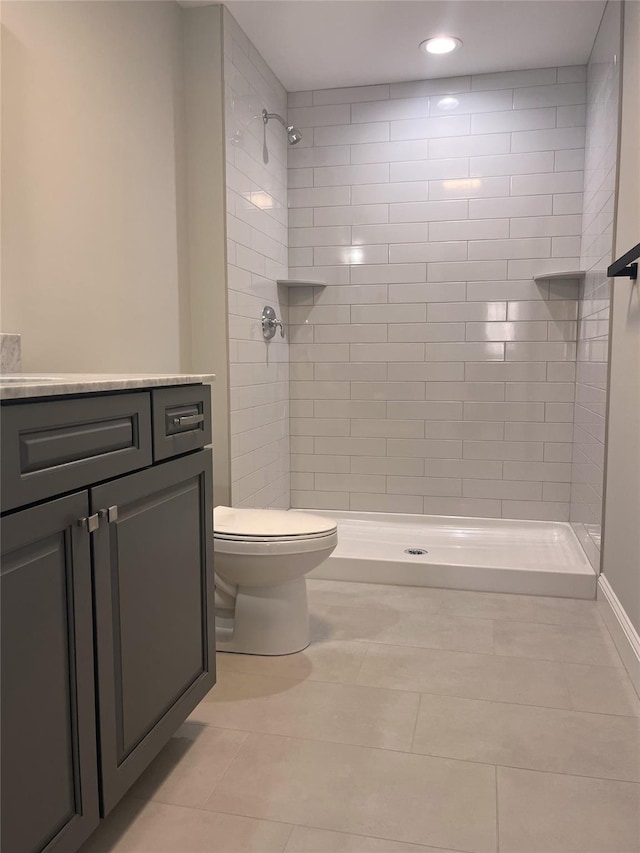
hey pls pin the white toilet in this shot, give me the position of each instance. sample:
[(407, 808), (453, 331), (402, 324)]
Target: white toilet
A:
[(261, 559)]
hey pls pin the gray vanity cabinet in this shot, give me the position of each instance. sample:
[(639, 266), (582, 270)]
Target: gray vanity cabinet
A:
[(154, 603), (49, 771), (108, 638)]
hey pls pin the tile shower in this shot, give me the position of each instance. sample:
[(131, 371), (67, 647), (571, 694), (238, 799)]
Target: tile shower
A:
[(432, 374)]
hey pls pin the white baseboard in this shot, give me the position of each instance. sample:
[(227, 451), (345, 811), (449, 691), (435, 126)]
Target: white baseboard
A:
[(623, 633)]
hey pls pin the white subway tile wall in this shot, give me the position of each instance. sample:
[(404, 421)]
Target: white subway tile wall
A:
[(432, 374), (603, 84), (257, 232)]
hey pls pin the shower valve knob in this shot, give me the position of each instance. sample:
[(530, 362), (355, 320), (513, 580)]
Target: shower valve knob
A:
[(270, 323)]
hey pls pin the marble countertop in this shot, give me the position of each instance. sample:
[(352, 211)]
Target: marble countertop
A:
[(19, 386)]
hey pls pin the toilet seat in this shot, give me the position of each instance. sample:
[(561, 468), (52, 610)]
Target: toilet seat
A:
[(223, 537), (269, 526), (273, 547)]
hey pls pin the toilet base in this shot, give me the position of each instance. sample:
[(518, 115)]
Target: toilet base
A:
[(267, 620)]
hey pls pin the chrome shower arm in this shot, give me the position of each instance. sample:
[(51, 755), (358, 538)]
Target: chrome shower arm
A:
[(293, 134), (266, 116)]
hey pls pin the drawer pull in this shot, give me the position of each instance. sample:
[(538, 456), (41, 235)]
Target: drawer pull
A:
[(181, 420), (90, 524), (188, 420), (110, 514)]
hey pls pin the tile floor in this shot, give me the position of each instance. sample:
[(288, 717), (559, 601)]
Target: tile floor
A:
[(417, 720)]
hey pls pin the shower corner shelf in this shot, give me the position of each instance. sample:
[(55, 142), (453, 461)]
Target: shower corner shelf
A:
[(544, 276), (297, 282)]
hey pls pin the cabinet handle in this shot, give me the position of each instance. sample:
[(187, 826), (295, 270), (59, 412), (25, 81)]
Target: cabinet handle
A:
[(90, 523), (111, 514), (188, 420)]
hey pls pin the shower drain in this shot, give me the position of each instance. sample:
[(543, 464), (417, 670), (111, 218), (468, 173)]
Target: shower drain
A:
[(415, 552)]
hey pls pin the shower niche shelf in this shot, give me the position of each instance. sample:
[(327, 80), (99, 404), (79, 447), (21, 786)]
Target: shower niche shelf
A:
[(543, 276), (298, 282)]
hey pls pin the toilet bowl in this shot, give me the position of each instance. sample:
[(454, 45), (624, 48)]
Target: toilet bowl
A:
[(261, 559)]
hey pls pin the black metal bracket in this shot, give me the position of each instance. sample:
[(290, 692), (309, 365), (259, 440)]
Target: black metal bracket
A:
[(624, 266)]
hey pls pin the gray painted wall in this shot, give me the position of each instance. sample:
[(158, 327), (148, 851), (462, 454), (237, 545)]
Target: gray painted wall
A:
[(621, 544)]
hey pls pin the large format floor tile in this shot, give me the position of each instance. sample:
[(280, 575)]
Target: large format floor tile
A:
[(366, 596), (305, 840), (321, 661), (333, 712), (520, 608), (536, 738), (385, 794), (393, 730), (603, 690), (189, 767), (477, 605), (556, 642), (550, 813), (138, 827), (503, 679), (409, 628)]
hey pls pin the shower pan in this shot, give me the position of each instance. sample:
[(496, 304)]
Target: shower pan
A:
[(483, 554)]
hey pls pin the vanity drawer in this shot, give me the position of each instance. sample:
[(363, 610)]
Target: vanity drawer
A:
[(57, 445), (181, 419)]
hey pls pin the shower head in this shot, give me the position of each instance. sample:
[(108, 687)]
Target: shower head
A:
[(293, 134)]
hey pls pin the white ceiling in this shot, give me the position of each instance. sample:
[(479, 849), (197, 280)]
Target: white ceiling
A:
[(318, 44)]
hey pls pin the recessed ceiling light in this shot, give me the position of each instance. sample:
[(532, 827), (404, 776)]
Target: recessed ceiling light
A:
[(440, 44)]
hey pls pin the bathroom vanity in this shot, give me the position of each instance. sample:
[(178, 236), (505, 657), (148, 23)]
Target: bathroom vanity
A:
[(108, 638)]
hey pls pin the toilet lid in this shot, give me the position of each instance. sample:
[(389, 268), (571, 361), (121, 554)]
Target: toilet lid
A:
[(268, 523)]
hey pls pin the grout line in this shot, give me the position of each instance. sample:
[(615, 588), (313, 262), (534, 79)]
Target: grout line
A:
[(415, 844), (597, 628), (374, 642), (335, 743), (288, 839), (355, 683), (231, 760), (436, 756), (571, 708), (226, 813), (474, 762), (490, 654), (415, 724), (418, 845)]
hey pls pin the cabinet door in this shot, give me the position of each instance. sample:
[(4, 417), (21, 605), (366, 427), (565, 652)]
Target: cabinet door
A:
[(154, 596), (49, 773)]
